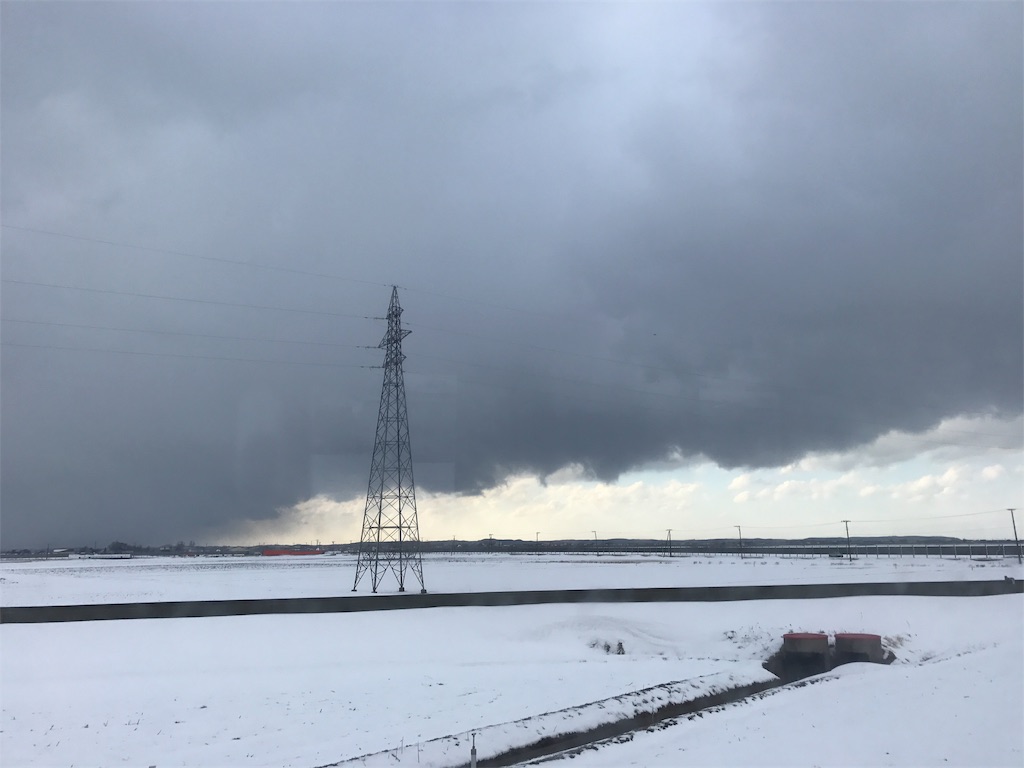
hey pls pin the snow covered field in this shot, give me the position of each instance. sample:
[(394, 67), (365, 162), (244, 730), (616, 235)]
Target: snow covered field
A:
[(308, 690), (56, 582)]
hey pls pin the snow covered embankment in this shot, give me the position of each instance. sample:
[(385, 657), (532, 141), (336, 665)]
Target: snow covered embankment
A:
[(597, 719)]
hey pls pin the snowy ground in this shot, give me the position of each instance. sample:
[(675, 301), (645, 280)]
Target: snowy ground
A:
[(305, 690), (962, 708), (55, 582)]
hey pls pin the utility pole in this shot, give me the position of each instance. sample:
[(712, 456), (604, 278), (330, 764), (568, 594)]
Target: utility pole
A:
[(390, 540), (849, 551), (1015, 539), (669, 542), (738, 528)]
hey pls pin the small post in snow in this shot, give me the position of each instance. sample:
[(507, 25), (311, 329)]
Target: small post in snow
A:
[(472, 754)]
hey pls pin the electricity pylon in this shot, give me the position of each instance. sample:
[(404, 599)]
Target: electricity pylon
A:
[(391, 532)]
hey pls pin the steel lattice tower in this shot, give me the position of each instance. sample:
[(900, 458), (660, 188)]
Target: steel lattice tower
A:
[(391, 532)]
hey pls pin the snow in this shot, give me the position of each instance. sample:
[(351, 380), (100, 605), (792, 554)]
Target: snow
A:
[(965, 710), (66, 582), (494, 740), (309, 690)]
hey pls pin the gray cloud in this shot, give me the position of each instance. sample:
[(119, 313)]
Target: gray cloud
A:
[(624, 233)]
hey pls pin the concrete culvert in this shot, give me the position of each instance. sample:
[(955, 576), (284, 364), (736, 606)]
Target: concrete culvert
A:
[(856, 646), (804, 654)]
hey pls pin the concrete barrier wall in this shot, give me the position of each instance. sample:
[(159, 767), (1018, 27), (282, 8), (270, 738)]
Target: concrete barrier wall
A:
[(199, 608)]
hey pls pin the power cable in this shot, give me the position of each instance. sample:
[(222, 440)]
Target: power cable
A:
[(575, 396), (551, 350), (322, 275), (270, 268), (801, 526), (183, 356), (135, 294), (185, 254), (185, 333), (931, 517)]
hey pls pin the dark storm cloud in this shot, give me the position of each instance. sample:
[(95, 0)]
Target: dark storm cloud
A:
[(625, 233)]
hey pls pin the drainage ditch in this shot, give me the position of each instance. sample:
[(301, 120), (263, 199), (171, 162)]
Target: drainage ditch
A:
[(566, 741), (802, 655)]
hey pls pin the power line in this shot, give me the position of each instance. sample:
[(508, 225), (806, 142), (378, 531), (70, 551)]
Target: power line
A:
[(184, 356), (185, 333), (269, 268), (135, 294), (801, 525), (576, 396), (189, 300), (921, 518), (762, 390), (615, 387), (704, 400), (185, 254), (323, 275), (701, 399), (932, 517)]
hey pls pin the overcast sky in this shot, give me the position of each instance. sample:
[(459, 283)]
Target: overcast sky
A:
[(657, 259)]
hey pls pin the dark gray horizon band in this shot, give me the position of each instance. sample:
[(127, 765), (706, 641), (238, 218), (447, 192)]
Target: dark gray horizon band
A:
[(41, 614)]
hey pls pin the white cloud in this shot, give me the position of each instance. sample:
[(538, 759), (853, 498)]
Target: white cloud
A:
[(569, 508), (740, 483), (993, 472), (932, 486), (953, 439)]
